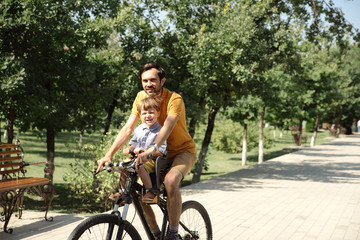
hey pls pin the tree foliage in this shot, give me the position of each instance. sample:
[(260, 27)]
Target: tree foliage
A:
[(68, 65)]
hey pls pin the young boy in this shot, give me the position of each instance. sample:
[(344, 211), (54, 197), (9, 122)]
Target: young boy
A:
[(144, 136)]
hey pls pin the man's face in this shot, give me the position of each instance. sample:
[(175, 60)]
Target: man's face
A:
[(151, 82)]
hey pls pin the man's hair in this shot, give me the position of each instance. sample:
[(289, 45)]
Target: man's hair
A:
[(148, 66), (147, 103)]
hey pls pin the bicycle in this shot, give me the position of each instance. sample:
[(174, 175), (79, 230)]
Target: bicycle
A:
[(194, 220)]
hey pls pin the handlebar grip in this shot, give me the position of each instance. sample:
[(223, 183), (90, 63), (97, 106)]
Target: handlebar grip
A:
[(132, 153), (108, 166)]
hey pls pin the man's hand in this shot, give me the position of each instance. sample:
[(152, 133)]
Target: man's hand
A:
[(143, 157), (101, 162)]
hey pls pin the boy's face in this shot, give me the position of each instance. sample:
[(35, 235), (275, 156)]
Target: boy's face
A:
[(150, 116)]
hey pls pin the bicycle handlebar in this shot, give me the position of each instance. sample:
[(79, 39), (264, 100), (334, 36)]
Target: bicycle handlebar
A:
[(123, 165)]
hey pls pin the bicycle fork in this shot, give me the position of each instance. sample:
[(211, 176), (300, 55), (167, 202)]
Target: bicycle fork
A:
[(121, 219)]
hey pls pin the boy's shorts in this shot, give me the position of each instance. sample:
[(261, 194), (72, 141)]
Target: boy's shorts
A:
[(183, 162), (150, 166)]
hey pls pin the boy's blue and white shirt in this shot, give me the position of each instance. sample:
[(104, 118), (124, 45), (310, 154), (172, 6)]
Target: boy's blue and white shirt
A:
[(145, 136)]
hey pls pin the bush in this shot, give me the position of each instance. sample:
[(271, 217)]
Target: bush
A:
[(82, 180), (228, 137)]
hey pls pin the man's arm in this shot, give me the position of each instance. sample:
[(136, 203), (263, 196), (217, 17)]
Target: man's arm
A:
[(164, 133), (120, 140)]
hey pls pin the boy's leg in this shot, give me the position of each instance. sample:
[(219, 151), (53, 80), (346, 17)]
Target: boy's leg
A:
[(150, 215), (145, 178)]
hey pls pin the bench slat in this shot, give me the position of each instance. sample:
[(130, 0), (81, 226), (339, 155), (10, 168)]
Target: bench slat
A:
[(22, 183), (10, 152), (10, 158), (9, 171), (8, 165), (8, 145)]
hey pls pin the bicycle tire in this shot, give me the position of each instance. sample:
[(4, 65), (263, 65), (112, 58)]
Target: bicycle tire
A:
[(95, 227), (195, 218)]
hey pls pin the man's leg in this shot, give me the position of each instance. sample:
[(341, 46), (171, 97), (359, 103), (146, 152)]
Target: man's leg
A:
[(174, 202)]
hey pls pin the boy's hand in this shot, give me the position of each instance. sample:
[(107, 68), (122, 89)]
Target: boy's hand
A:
[(137, 151)]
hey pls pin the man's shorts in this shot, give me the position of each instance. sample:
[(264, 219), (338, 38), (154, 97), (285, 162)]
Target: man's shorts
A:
[(183, 162)]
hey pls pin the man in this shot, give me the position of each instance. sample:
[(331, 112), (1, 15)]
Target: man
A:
[(181, 147)]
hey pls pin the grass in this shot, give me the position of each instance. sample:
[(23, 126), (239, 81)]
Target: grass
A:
[(34, 145), (221, 163)]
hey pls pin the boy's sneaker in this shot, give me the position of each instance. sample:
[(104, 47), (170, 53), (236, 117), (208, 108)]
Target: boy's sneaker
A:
[(116, 195), (150, 197)]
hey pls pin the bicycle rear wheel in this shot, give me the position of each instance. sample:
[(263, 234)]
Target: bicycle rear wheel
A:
[(194, 222), (103, 226)]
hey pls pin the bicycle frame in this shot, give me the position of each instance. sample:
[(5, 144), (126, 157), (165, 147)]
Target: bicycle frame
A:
[(116, 222), (131, 196)]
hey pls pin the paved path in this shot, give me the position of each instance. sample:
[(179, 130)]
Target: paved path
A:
[(313, 193)]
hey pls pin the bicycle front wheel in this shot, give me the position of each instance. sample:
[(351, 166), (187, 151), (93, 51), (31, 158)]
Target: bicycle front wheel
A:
[(104, 226), (194, 222)]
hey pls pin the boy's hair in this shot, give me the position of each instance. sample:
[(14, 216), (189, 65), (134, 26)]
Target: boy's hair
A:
[(148, 66), (148, 102)]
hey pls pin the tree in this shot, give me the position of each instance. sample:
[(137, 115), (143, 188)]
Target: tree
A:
[(51, 41)]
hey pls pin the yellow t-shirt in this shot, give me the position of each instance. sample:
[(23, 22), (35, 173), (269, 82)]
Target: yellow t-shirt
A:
[(171, 103)]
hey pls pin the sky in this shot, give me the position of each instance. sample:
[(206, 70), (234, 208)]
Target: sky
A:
[(351, 9)]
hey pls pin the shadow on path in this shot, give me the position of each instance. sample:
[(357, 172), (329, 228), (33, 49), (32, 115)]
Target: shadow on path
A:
[(318, 164), (40, 226)]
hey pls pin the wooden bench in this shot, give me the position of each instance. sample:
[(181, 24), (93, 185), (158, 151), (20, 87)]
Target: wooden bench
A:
[(13, 183)]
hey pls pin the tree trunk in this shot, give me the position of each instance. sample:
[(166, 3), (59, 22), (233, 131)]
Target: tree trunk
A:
[(338, 126), (50, 144), (300, 127), (205, 145), (261, 136), (192, 126), (297, 135), (274, 132), (111, 110), (193, 121), (10, 127), (313, 138), (244, 146), (80, 140)]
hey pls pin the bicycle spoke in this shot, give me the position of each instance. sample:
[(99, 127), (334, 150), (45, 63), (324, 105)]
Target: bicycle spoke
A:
[(194, 222)]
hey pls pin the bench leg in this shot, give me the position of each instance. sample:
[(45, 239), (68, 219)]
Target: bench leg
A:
[(47, 193), (8, 201), (20, 204)]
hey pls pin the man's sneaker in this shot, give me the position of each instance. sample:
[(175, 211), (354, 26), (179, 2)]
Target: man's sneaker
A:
[(172, 236), (157, 236)]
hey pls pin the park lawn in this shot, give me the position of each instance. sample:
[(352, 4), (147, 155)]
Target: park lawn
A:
[(221, 163), (66, 143)]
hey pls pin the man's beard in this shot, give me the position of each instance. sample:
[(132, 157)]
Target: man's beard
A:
[(154, 93)]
